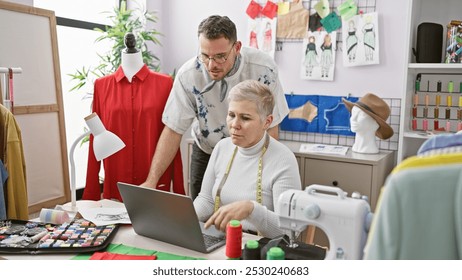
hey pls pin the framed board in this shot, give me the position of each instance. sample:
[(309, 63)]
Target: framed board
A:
[(29, 41)]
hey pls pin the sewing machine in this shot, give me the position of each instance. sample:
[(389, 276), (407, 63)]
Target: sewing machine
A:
[(345, 220)]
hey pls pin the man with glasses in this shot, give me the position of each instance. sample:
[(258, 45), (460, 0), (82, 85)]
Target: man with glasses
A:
[(198, 97)]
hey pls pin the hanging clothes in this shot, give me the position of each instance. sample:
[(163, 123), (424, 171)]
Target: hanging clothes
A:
[(133, 111), (16, 186)]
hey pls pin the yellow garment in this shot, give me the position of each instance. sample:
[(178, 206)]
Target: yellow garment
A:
[(16, 186), (418, 161)]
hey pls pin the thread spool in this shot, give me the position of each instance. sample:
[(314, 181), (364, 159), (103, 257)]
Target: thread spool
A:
[(414, 124), (414, 112), (417, 85), (251, 250), (448, 126), (451, 87), (449, 101), (436, 124), (448, 113), (416, 99), (459, 126), (275, 253), (436, 112), (425, 124), (438, 100), (438, 86), (53, 216), (234, 240)]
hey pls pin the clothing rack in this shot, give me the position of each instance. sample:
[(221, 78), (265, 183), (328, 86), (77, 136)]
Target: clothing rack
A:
[(6, 91)]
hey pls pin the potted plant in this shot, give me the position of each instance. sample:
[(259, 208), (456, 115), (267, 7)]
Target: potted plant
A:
[(123, 21)]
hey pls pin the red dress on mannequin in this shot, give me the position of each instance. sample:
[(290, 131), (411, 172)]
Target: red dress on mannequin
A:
[(133, 111)]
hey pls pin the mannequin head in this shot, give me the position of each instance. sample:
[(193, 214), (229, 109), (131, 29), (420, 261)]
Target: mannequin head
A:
[(369, 119), (365, 128), (130, 43), (132, 58), (360, 122)]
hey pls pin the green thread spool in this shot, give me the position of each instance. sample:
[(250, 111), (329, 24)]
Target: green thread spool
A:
[(275, 253), (451, 87)]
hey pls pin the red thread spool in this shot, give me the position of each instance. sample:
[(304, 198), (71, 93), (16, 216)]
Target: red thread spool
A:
[(234, 239), (414, 124)]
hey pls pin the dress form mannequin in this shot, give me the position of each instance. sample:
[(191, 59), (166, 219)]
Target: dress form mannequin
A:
[(132, 59), (365, 128)]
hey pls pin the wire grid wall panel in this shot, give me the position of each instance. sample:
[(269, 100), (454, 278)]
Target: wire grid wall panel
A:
[(364, 6), (333, 139)]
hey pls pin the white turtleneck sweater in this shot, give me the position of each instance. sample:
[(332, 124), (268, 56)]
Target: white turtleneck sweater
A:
[(280, 173)]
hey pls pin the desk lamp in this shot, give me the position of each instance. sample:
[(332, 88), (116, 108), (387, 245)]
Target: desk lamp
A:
[(105, 144)]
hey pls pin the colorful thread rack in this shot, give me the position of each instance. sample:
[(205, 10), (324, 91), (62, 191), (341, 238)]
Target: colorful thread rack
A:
[(437, 102)]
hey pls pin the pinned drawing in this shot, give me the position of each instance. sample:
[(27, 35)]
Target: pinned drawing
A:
[(261, 34), (361, 40), (318, 58)]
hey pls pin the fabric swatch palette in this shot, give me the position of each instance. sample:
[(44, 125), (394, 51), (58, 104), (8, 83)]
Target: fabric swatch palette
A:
[(18, 236)]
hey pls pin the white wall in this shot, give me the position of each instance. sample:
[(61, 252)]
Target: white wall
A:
[(180, 20)]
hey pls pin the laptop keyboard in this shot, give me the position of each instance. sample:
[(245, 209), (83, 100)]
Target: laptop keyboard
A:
[(211, 240)]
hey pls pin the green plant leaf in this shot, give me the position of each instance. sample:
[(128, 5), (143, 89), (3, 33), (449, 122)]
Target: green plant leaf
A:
[(123, 21)]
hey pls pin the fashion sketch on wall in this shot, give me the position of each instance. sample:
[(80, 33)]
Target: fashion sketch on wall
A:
[(318, 57), (262, 34), (360, 39)]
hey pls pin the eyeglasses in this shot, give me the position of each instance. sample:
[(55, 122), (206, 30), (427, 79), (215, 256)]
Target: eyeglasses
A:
[(219, 58)]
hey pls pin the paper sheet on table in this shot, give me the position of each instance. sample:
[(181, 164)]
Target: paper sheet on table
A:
[(323, 149), (106, 216)]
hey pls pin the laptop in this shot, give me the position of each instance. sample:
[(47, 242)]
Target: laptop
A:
[(168, 217)]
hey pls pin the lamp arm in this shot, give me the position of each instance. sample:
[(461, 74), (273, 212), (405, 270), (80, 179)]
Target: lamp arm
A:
[(72, 166)]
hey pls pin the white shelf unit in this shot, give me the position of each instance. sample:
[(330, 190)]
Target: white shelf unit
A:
[(420, 11)]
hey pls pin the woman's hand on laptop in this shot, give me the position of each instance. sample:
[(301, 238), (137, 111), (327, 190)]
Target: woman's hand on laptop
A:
[(238, 210)]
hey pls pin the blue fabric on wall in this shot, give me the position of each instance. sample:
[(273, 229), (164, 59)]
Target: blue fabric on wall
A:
[(3, 177), (302, 125), (333, 117)]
